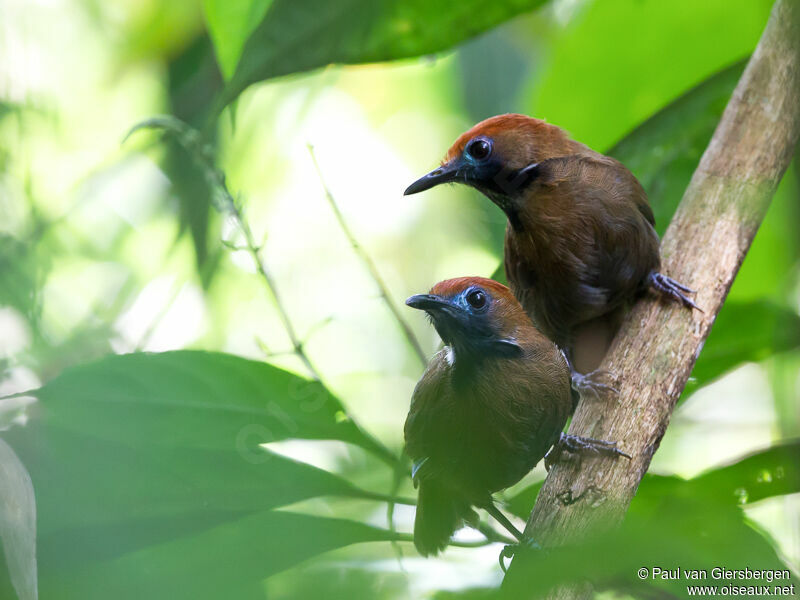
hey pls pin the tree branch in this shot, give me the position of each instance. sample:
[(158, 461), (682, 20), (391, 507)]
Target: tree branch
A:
[(659, 342)]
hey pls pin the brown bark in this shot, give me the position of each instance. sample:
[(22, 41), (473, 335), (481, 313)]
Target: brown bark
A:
[(703, 248)]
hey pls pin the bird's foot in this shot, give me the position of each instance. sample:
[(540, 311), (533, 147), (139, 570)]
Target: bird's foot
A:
[(575, 444), (592, 383), (671, 288), (510, 550)]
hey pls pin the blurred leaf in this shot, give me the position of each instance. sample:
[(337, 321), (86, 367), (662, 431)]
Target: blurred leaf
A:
[(144, 493), (193, 82), (194, 399), (674, 523), (476, 593), (613, 64), (745, 332), (500, 274), (18, 523), (299, 35), (230, 23), (227, 561), (133, 455), (522, 502), (347, 580), (157, 30), (664, 151), (492, 69), (765, 474), (19, 271), (685, 533)]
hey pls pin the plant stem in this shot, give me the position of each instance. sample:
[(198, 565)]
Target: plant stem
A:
[(370, 265)]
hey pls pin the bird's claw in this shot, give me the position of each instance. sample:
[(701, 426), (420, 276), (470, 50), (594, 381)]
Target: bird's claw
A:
[(673, 289), (575, 444), (509, 550), (592, 383)]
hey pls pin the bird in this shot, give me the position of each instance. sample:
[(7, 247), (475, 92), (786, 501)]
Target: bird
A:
[(580, 243), (487, 409)]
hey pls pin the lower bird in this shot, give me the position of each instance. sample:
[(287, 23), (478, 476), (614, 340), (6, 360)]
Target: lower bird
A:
[(488, 408)]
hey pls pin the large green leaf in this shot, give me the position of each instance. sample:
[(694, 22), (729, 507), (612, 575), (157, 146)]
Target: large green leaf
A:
[(194, 399), (299, 35), (745, 332), (136, 451), (84, 482), (226, 561)]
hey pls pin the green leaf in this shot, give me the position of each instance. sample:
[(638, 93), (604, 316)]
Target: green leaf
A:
[(299, 35), (227, 561), (17, 524), (194, 399), (142, 449), (19, 274), (84, 482), (664, 151), (745, 332), (521, 503), (230, 23), (766, 474), (615, 63)]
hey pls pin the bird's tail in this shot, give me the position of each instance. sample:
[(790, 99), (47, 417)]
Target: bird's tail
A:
[(439, 515)]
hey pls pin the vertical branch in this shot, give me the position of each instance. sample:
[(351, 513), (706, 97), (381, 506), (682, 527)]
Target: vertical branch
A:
[(370, 265), (659, 342)]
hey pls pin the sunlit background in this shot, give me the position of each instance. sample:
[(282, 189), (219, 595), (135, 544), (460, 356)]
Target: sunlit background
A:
[(108, 247)]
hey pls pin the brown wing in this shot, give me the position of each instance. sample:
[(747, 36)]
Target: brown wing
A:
[(584, 245)]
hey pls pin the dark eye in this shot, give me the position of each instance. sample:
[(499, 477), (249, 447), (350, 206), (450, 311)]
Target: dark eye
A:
[(477, 298), (479, 149)]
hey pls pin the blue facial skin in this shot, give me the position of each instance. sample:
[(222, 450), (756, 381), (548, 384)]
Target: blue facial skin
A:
[(476, 167), (464, 323)]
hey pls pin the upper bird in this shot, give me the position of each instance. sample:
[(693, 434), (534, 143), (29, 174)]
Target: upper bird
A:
[(580, 243), (487, 409)]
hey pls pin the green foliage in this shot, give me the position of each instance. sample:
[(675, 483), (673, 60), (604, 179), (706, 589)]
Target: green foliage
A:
[(18, 275), (674, 523), (150, 473), (299, 35), (664, 151), (619, 62), (230, 23), (141, 460), (228, 560), (194, 399), (745, 332)]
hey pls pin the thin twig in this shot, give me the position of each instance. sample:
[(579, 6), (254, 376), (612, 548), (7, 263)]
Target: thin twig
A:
[(399, 472), (261, 267), (370, 265), (203, 154)]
